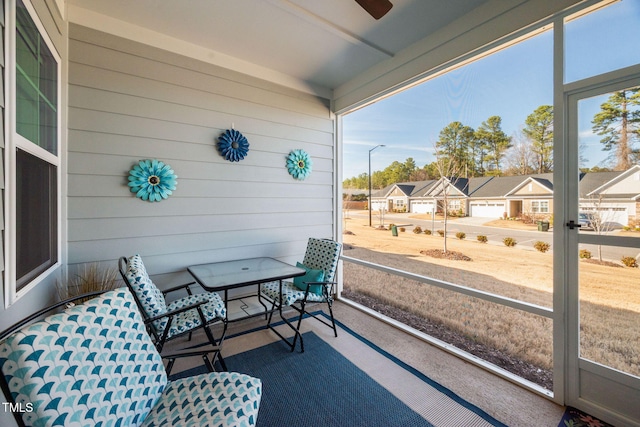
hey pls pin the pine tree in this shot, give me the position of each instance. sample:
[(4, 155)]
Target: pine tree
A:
[(494, 141), (618, 122), (539, 129)]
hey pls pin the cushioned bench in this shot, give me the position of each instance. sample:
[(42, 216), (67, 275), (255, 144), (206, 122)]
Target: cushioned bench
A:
[(95, 365)]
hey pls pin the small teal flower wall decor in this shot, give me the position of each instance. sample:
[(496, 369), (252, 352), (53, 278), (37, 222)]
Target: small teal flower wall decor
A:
[(152, 180), (299, 164), (232, 145)]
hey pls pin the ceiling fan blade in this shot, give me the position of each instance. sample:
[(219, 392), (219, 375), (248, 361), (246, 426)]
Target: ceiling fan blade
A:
[(376, 8)]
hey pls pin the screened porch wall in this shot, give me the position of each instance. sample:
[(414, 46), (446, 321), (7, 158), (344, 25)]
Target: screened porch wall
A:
[(129, 102)]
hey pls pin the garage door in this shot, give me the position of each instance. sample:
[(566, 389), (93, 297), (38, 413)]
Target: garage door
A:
[(614, 217), (487, 210), (421, 207)]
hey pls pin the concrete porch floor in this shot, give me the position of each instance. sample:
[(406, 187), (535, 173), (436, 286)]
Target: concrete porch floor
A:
[(502, 399)]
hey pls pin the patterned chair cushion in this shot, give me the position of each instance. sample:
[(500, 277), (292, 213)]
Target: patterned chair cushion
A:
[(216, 399), (189, 320), (90, 365), (95, 365), (150, 297), (290, 293), (321, 254)]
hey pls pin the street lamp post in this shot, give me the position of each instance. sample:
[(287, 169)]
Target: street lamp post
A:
[(381, 145)]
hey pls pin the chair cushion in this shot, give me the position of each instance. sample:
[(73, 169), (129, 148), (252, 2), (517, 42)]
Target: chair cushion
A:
[(150, 297), (188, 320), (311, 276), (214, 399), (323, 254), (290, 293), (93, 364)]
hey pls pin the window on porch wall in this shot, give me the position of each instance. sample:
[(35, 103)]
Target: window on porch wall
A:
[(33, 242)]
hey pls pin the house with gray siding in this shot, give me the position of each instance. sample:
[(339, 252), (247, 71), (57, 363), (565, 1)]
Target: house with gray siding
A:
[(613, 194)]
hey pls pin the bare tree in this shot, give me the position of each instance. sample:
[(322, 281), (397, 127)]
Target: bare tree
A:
[(600, 218), (449, 170), (520, 156)]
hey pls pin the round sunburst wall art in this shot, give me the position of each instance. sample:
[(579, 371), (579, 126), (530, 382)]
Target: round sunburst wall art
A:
[(299, 164), (232, 145), (152, 180)]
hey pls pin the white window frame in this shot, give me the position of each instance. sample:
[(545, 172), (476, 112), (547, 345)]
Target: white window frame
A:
[(13, 141), (540, 206)]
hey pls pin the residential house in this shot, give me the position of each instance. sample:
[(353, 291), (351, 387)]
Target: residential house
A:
[(613, 194)]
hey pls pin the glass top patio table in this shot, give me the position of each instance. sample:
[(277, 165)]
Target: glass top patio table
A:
[(225, 275)]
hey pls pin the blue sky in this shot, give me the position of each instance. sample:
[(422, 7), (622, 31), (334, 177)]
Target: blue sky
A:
[(510, 83)]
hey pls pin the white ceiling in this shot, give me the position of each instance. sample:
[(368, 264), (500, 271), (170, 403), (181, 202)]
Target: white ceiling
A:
[(321, 43)]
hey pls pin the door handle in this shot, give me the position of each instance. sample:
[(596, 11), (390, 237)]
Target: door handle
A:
[(572, 224)]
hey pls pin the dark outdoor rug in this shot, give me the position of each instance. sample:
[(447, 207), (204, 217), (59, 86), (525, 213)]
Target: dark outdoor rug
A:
[(321, 387), (576, 418)]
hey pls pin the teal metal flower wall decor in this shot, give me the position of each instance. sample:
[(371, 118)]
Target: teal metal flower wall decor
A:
[(152, 180), (233, 146), (299, 164)]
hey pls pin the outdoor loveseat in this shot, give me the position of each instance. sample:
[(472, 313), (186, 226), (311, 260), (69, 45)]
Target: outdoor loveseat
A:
[(95, 365)]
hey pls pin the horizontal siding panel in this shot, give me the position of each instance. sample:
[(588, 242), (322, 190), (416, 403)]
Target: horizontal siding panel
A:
[(132, 208), (208, 78), (91, 80), (266, 166), (113, 186), (139, 147), (171, 226), (169, 128), (194, 248)]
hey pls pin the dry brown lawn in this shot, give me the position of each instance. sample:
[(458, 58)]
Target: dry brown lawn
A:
[(610, 297)]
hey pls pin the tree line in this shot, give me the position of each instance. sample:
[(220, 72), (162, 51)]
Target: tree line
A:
[(489, 151)]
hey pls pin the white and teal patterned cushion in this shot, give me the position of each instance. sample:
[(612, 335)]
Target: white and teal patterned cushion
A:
[(93, 364), (150, 297), (188, 320), (290, 293), (321, 254), (216, 399), (154, 304)]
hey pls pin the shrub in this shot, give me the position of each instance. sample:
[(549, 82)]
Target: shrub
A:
[(402, 229), (417, 230), (460, 235), (440, 232), (482, 238), (542, 246), (509, 241), (630, 261), (427, 232), (584, 254)]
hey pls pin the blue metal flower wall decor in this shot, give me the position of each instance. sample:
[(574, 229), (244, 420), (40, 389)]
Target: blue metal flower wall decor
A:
[(232, 145), (299, 164), (152, 180)]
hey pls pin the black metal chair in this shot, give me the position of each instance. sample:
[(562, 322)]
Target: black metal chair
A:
[(182, 316), (317, 286)]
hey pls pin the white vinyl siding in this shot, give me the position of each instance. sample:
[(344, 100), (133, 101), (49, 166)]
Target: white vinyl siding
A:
[(130, 102)]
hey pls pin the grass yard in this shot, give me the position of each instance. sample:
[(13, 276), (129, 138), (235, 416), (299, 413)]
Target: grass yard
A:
[(610, 297)]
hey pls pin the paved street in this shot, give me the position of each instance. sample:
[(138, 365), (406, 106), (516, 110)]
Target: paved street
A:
[(473, 227)]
